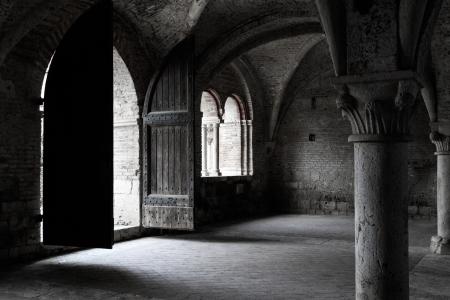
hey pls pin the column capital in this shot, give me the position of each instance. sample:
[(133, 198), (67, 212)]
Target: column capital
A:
[(378, 111), (442, 143)]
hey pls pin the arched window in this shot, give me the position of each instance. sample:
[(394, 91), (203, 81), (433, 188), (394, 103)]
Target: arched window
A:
[(210, 108), (226, 137)]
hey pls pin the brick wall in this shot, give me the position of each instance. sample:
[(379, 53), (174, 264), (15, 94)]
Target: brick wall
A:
[(19, 162), (226, 83), (316, 177), (313, 162), (26, 54), (230, 153), (312, 165), (441, 61), (421, 166), (126, 147)]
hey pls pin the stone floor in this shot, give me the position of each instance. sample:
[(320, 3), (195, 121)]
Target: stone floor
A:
[(281, 257)]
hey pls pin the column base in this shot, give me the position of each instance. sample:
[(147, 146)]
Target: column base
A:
[(214, 173), (440, 245), (205, 173)]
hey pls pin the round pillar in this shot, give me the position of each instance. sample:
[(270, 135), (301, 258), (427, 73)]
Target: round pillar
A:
[(381, 220), (443, 196), (250, 147), (215, 149), (379, 117), (244, 145), (440, 243), (204, 150)]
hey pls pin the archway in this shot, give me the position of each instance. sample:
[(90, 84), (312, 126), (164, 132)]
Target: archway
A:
[(126, 147), (78, 136)]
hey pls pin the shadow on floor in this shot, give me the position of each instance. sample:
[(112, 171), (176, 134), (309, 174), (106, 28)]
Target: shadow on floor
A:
[(79, 277)]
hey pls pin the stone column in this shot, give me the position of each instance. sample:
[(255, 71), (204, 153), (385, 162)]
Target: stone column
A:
[(215, 150), (244, 146), (379, 114), (250, 146), (204, 150), (440, 243)]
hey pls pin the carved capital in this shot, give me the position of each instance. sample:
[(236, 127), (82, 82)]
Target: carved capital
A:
[(379, 119), (442, 142)]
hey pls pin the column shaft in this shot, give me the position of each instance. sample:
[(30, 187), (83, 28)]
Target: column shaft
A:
[(381, 220), (250, 147), (440, 244), (215, 149), (204, 150), (244, 151), (443, 195)]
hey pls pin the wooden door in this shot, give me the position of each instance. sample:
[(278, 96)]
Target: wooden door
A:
[(78, 135), (168, 177)]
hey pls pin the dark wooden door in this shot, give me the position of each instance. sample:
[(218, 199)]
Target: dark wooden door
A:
[(169, 144), (78, 135)]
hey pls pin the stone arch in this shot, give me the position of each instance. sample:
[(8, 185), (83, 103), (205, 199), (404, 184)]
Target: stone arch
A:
[(228, 49), (41, 18), (210, 104), (141, 60), (251, 35), (234, 109), (249, 84), (278, 99), (300, 78), (38, 43)]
